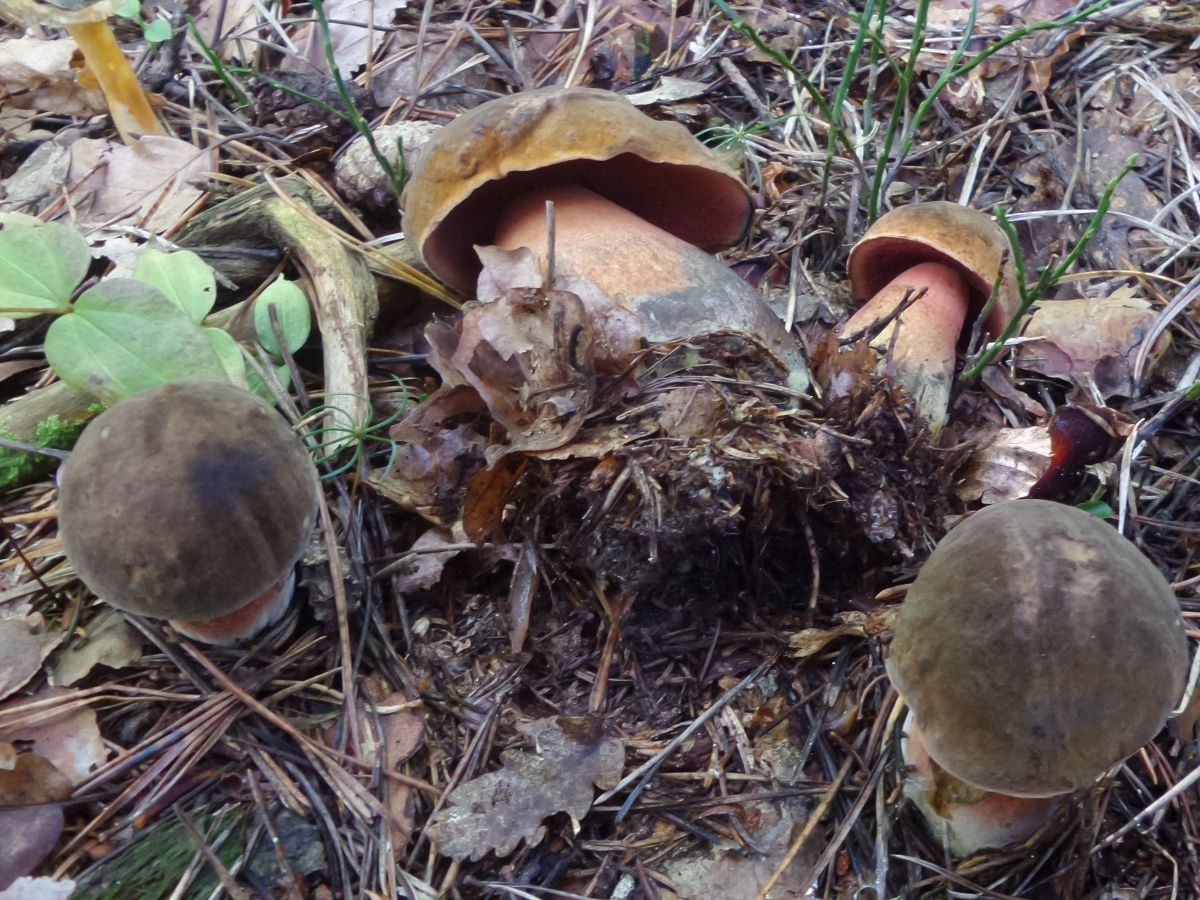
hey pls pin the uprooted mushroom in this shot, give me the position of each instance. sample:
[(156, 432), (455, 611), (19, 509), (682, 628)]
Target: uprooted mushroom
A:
[(191, 502), (1036, 649), (638, 206), (925, 272)]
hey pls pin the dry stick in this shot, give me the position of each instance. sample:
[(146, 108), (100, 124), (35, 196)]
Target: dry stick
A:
[(235, 890), (645, 772), (843, 829), (809, 827), (343, 622), (1179, 787)]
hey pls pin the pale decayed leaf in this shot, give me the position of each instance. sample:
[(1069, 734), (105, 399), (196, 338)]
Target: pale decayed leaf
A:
[(40, 265), (67, 735), (24, 644), (39, 889), (149, 184), (1090, 342), (123, 337), (182, 277), (496, 811), (108, 642), (1006, 464), (36, 74)]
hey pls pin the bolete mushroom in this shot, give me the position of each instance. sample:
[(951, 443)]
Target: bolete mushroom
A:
[(954, 254), (87, 23), (191, 502), (1036, 649), (639, 206)]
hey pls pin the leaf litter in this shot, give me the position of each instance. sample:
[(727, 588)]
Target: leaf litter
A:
[(672, 549)]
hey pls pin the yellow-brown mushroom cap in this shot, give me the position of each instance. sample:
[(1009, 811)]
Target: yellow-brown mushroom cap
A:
[(466, 174), (938, 231), (1036, 648), (186, 501)]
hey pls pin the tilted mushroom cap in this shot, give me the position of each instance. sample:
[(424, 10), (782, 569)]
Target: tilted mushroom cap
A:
[(938, 231), (466, 174), (1036, 648), (186, 501)]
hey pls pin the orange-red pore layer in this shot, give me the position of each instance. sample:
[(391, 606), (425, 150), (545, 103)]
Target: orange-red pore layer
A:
[(263, 611)]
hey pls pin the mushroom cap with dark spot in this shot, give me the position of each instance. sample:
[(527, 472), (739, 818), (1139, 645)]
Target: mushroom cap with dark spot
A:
[(938, 231), (186, 501), (1036, 648), (466, 174)]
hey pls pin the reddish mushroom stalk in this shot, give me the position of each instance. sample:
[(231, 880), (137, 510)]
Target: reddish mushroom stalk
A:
[(921, 341), (966, 817), (951, 256)]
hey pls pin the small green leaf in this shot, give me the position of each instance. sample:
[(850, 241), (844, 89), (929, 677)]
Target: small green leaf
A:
[(183, 277), (1097, 508), (156, 31), (259, 387), (40, 265), (291, 307), (130, 9), (124, 336), (229, 353)]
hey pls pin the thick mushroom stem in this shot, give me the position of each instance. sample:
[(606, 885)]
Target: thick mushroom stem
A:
[(967, 817), (920, 343), (244, 622), (127, 102), (674, 288)]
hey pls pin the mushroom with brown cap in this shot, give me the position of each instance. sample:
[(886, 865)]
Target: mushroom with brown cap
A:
[(955, 255), (192, 502), (1036, 649), (87, 23), (639, 205)]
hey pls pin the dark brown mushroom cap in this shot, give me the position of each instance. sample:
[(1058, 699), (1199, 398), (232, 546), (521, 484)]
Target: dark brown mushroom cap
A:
[(468, 172), (938, 231), (186, 501), (1037, 647)]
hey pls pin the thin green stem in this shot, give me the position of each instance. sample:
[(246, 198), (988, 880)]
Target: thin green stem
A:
[(214, 60), (1050, 275)]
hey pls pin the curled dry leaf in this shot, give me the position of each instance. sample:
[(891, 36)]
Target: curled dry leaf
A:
[(811, 641), (30, 780), (24, 645), (529, 355), (1041, 461), (1089, 342), (425, 568), (496, 811)]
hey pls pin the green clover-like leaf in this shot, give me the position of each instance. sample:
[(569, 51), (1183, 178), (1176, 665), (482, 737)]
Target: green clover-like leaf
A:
[(40, 266), (183, 277), (291, 307)]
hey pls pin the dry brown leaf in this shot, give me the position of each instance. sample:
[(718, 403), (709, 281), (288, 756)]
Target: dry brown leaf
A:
[(109, 642), (529, 355), (1088, 342), (425, 569), (494, 812), (147, 184), (428, 477), (521, 591), (67, 736), (1007, 464), (24, 645), (487, 494), (36, 74), (32, 780), (810, 641)]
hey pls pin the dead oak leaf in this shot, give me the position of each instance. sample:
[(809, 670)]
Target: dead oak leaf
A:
[(24, 645), (496, 811)]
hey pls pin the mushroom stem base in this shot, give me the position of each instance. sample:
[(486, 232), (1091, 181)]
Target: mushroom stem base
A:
[(919, 347), (127, 102), (243, 623), (968, 818), (673, 288)]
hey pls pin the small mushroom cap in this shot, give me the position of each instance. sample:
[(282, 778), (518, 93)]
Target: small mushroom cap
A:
[(186, 501), (466, 174), (938, 231), (1036, 648)]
